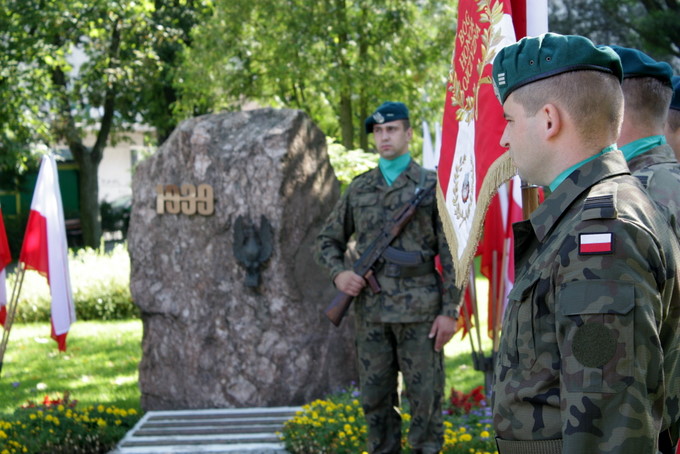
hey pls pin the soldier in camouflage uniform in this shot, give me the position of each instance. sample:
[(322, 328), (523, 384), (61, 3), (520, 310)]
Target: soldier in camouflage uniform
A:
[(647, 93), (672, 128), (405, 326), (580, 368)]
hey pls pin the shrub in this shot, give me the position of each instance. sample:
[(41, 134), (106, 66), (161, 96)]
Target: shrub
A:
[(100, 282), (337, 425), (57, 426), (349, 163)]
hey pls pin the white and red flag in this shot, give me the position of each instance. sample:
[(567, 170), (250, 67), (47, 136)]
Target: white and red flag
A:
[(45, 249), (472, 164), (5, 259)]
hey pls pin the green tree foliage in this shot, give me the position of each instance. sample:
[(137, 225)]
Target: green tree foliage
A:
[(649, 25), (335, 59), (70, 68)]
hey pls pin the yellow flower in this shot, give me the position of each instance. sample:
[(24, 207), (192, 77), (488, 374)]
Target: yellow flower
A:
[(100, 408), (60, 407), (484, 434), (32, 416), (466, 437), (3, 434)]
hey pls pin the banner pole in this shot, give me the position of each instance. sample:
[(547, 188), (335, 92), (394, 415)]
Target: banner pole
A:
[(530, 199), (480, 361), (11, 312)]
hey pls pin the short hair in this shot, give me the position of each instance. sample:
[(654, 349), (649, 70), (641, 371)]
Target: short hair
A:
[(673, 119), (407, 124), (593, 99), (647, 100)]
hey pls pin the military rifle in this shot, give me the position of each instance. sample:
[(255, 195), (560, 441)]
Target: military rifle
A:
[(364, 267)]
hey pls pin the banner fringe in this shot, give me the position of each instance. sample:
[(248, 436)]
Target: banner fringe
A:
[(499, 172)]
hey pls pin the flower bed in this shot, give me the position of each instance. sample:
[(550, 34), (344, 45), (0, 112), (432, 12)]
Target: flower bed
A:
[(336, 425), (57, 426)]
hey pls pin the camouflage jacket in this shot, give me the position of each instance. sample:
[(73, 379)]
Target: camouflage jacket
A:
[(659, 172), (361, 213), (580, 356)]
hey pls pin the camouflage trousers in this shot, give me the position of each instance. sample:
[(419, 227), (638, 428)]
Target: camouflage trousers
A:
[(383, 350)]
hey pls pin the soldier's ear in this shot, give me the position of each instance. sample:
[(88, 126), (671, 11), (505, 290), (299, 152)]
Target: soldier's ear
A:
[(551, 117)]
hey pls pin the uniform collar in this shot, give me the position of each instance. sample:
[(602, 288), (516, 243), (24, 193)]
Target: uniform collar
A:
[(562, 176), (637, 147), (602, 166)]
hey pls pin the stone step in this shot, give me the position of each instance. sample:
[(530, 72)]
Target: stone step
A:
[(247, 430)]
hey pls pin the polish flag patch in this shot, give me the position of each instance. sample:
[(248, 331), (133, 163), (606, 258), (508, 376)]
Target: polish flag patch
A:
[(596, 243)]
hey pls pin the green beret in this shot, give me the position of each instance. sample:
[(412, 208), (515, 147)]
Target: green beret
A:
[(536, 58), (675, 102), (638, 64), (388, 111)]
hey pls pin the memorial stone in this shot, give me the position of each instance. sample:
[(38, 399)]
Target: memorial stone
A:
[(223, 221)]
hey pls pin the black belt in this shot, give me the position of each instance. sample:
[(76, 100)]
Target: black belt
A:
[(402, 264), (401, 271), (529, 446)]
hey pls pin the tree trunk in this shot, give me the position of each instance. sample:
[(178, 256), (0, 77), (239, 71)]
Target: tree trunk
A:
[(346, 121), (88, 188)]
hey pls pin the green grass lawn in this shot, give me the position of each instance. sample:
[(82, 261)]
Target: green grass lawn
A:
[(99, 366)]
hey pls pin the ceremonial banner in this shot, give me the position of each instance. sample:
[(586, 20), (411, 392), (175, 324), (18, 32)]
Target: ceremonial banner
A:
[(5, 259), (45, 249), (472, 164)]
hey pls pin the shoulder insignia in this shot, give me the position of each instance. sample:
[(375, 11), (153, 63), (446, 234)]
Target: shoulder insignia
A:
[(599, 207), (644, 179)]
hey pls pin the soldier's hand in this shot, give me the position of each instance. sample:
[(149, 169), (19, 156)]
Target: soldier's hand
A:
[(349, 283), (442, 331)]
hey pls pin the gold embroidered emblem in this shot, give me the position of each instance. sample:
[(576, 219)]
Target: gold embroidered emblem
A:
[(477, 49)]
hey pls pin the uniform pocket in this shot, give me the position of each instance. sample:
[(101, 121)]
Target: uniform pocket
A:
[(367, 212), (596, 333), (519, 345)]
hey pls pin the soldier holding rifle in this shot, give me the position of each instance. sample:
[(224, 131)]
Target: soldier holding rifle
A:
[(405, 317)]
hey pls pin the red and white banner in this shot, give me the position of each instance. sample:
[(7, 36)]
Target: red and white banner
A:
[(5, 259), (45, 249), (472, 164)]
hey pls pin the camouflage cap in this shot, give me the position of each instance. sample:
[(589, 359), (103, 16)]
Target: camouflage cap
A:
[(638, 64), (388, 111), (536, 58), (675, 102)]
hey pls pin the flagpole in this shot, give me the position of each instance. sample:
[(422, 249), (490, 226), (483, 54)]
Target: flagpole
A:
[(468, 324), (480, 362), (11, 312)]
